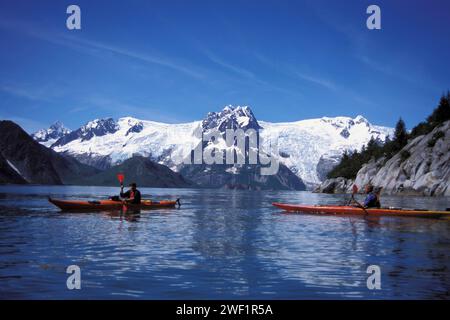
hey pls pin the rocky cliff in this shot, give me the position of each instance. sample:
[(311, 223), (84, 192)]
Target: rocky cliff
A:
[(335, 185), (422, 167)]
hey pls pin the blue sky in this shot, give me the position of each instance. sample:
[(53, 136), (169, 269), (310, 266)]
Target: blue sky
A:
[(173, 61)]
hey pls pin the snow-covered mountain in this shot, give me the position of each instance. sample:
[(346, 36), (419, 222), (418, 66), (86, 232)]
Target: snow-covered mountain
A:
[(95, 128), (231, 118), (103, 146), (49, 136), (255, 176), (309, 148)]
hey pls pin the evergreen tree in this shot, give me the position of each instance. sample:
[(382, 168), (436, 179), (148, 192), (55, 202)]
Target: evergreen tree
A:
[(437, 117), (442, 112), (421, 129), (400, 135), (372, 149), (345, 156)]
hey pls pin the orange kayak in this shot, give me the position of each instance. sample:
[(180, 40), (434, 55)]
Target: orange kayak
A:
[(348, 210), (82, 205)]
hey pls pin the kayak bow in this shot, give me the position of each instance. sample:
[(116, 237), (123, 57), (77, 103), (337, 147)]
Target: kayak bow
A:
[(348, 210)]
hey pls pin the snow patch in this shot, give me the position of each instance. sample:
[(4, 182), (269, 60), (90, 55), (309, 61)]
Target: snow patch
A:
[(15, 168)]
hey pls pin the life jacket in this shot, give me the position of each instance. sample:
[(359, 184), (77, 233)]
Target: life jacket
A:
[(374, 202)]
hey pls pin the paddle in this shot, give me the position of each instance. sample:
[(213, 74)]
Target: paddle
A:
[(355, 190), (121, 177)]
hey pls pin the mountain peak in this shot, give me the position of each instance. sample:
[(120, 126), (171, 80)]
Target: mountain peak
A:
[(132, 124), (58, 125), (50, 135), (239, 110), (97, 127), (231, 117), (345, 122), (107, 124), (360, 119)]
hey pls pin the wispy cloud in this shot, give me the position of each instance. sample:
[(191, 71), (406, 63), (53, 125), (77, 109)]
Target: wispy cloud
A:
[(235, 69), (399, 65), (144, 57), (383, 68), (292, 71), (20, 92), (78, 109), (419, 79), (245, 75), (360, 99), (328, 84), (99, 48), (43, 93), (136, 109)]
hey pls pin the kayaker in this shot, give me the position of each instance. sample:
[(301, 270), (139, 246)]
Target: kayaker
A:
[(133, 195), (372, 200)]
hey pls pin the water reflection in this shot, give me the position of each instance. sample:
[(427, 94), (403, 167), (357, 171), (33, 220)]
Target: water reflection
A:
[(219, 244), (130, 215)]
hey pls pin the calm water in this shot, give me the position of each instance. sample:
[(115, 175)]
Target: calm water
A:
[(218, 245)]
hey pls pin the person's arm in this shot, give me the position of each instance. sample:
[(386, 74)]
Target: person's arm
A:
[(353, 202), (366, 200), (124, 194), (369, 199), (137, 196)]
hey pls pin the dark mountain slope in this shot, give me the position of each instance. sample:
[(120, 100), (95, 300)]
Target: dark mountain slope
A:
[(36, 163), (143, 171)]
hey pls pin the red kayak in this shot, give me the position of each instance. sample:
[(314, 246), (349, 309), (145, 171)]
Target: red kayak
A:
[(348, 210), (105, 205)]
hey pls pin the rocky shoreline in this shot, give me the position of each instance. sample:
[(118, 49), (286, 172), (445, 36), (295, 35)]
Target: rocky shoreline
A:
[(421, 168)]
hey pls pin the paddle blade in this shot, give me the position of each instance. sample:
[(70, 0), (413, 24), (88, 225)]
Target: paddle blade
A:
[(355, 188), (120, 177)]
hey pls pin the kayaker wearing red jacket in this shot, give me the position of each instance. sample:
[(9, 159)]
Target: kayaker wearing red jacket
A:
[(133, 195)]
